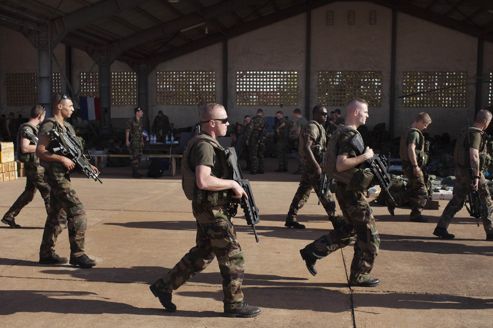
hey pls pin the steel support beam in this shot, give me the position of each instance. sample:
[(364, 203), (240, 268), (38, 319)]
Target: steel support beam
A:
[(168, 29), (241, 29), (88, 14)]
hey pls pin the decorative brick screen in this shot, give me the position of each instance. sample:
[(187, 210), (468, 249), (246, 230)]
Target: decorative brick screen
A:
[(123, 88), (267, 88), (434, 89), (337, 88), (185, 87), (89, 84)]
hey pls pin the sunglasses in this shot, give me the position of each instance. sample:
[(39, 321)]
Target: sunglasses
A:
[(222, 120), (324, 114)]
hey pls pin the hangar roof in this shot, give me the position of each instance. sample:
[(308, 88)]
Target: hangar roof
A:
[(153, 31)]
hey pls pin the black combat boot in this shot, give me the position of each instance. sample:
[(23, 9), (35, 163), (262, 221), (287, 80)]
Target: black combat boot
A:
[(489, 236), (442, 233), (364, 281), (53, 258), (310, 261), (83, 261), (10, 221), (242, 310), (164, 298), (416, 216)]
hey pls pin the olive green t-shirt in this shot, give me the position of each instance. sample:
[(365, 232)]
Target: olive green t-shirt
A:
[(204, 154), (475, 139), (413, 137)]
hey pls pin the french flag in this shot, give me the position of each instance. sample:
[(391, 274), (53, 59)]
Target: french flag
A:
[(90, 108)]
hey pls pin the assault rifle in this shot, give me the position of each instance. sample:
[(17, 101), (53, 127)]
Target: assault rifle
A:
[(69, 147), (324, 185), (247, 203), (474, 205), (379, 169)]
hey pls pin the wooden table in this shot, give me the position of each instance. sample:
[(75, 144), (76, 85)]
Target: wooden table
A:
[(172, 157)]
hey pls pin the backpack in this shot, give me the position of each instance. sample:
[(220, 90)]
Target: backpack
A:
[(188, 173)]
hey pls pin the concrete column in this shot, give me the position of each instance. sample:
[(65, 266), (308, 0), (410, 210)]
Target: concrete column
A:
[(105, 89), (143, 70), (42, 42)]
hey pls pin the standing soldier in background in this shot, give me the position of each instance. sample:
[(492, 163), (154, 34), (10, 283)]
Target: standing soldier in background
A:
[(298, 123), (26, 153), (313, 143), (207, 182), (281, 130), (62, 195), (255, 142), (414, 158), (469, 177), (134, 140), (351, 187)]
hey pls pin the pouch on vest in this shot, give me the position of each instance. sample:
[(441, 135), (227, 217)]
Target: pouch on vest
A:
[(361, 180)]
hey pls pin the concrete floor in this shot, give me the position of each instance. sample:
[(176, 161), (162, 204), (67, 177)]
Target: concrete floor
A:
[(139, 228)]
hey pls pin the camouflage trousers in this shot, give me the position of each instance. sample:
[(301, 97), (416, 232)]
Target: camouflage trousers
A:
[(359, 222), (35, 179), (216, 237), (64, 200), (256, 154), (417, 193), (462, 187), (282, 154), (310, 180), (135, 151)]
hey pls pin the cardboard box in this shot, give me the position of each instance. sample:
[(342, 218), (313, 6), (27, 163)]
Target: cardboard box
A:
[(7, 153), (6, 177), (1, 177), (12, 175)]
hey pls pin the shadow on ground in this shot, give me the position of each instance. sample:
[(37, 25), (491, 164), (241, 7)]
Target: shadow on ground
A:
[(77, 302), (401, 243)]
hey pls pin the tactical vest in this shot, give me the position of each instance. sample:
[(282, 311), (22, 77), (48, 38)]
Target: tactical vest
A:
[(461, 151), (320, 145), (26, 158), (421, 151), (188, 182), (330, 158)]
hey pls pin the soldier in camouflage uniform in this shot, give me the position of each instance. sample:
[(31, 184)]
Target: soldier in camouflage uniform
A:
[(134, 140), (62, 196), (207, 181), (255, 142), (469, 176), (357, 212), (282, 130), (26, 141), (313, 142), (414, 158)]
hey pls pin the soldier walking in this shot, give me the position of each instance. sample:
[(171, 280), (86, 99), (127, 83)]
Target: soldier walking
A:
[(413, 154), (313, 143), (469, 177), (351, 186), (62, 196), (26, 148), (207, 182)]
